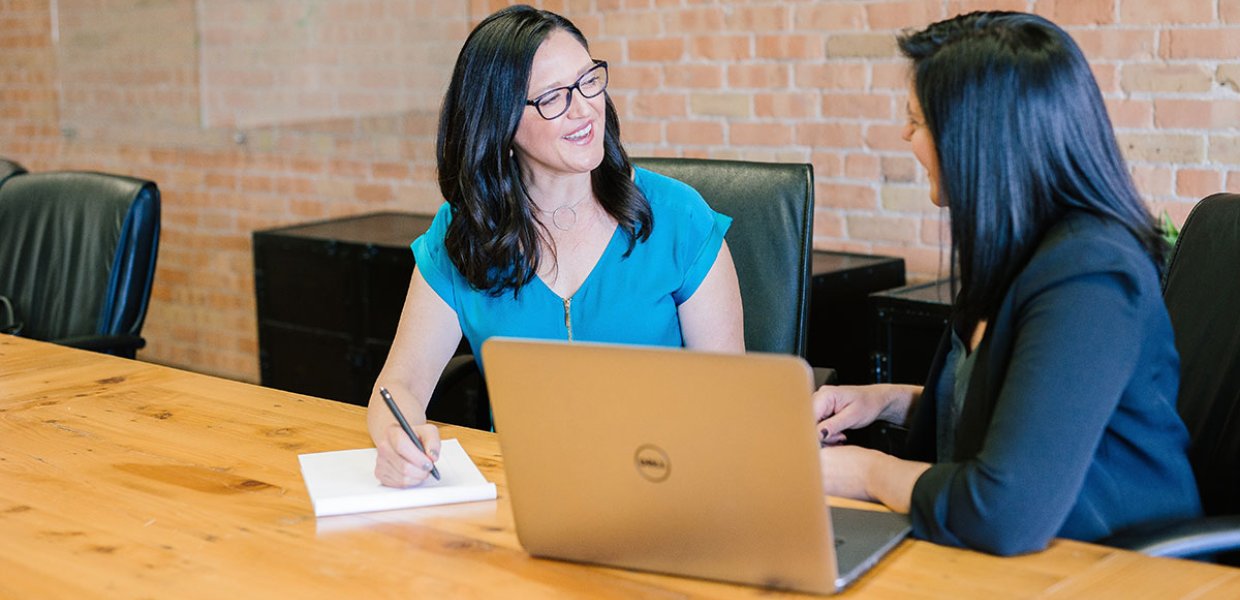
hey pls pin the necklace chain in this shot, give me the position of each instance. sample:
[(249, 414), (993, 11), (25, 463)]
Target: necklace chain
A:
[(564, 217)]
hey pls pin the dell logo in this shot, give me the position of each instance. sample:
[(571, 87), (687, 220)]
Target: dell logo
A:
[(652, 463)]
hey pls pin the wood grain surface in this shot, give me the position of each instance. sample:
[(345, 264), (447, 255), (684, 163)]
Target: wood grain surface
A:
[(124, 479)]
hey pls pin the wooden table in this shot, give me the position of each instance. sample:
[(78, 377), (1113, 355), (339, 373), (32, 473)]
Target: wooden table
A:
[(122, 479)]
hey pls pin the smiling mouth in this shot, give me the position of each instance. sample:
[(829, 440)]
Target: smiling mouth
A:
[(580, 134)]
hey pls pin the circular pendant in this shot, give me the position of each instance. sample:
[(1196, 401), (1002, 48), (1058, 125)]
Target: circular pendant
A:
[(564, 218)]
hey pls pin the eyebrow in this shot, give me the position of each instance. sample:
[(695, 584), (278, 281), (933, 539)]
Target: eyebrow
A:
[(557, 84)]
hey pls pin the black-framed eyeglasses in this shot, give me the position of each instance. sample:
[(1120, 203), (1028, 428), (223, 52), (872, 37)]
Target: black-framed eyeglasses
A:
[(553, 103)]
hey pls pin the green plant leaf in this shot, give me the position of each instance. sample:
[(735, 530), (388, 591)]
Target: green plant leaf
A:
[(1170, 232)]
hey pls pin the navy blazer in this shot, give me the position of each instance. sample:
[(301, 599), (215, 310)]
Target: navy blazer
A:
[(1069, 426)]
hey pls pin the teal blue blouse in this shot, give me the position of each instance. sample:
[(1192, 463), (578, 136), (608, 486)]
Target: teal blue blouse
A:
[(626, 300)]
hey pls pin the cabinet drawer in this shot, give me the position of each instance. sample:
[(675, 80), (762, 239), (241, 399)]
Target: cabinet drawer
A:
[(840, 323), (909, 323), (315, 363), (308, 283), (387, 272)]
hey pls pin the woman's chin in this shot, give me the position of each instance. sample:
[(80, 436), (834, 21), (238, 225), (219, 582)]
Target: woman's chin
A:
[(590, 161)]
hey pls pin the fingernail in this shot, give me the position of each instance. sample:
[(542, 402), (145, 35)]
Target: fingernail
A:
[(435, 454), (426, 466)]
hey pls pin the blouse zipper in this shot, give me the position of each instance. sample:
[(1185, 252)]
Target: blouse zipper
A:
[(568, 317)]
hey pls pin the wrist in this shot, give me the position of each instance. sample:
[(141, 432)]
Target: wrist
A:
[(897, 400), (871, 472), (890, 480)]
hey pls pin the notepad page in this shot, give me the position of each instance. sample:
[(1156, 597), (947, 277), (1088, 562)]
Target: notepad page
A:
[(343, 482)]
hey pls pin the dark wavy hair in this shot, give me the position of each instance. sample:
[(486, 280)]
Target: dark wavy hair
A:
[(1022, 137), (493, 236)]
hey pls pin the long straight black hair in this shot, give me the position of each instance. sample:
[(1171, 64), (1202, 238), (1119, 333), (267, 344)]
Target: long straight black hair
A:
[(1022, 137), (494, 233)]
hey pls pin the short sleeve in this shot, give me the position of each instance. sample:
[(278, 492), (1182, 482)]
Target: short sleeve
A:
[(713, 227), (431, 258), (686, 230)]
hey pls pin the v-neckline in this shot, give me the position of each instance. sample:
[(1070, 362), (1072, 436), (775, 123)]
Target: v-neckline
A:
[(589, 276)]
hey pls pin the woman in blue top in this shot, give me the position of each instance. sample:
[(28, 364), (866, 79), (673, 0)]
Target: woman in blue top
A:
[(548, 230), (1050, 410)]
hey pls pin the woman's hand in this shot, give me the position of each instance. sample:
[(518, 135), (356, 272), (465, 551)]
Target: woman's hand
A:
[(864, 474), (845, 471), (400, 464), (425, 339), (843, 407)]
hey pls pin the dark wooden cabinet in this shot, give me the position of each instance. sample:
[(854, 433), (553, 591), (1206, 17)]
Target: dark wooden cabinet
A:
[(909, 323), (329, 297), (839, 316), (330, 294)]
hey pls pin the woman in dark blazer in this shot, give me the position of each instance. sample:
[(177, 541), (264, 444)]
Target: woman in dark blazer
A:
[(1050, 408)]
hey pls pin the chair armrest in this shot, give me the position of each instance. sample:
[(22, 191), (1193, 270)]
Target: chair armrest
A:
[(824, 376), (885, 437), (119, 345), (460, 396), (1182, 539), (459, 368)]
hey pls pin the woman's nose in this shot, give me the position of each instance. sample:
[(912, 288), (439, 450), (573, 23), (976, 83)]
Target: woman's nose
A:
[(580, 105)]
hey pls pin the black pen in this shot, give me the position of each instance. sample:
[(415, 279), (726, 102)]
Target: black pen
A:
[(400, 418)]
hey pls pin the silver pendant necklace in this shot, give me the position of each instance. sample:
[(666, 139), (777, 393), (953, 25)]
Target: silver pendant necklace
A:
[(564, 217)]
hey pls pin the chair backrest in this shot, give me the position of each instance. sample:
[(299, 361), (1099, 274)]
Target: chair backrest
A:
[(77, 252), (772, 207), (9, 168), (1202, 291)]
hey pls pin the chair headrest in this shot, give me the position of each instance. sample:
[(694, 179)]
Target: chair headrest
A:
[(66, 246), (1202, 290)]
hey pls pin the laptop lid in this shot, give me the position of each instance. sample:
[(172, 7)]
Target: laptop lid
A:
[(664, 460)]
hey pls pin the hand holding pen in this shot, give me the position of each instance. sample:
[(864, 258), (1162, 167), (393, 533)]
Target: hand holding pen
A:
[(400, 465)]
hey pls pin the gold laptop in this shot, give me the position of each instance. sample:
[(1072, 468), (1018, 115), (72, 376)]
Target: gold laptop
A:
[(673, 461)]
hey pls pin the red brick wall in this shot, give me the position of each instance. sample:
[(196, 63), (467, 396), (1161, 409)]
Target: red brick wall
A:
[(82, 87), (324, 59)]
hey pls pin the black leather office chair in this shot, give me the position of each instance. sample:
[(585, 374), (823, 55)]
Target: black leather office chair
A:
[(77, 257), (1202, 291), (771, 239), (772, 210), (9, 168)]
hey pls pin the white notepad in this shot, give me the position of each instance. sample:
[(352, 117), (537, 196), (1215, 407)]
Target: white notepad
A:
[(343, 482)]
